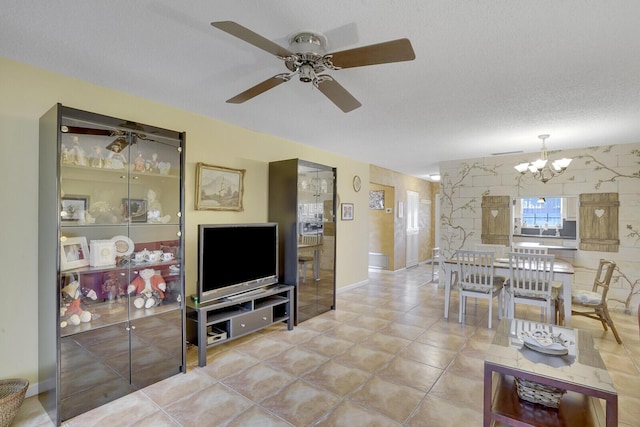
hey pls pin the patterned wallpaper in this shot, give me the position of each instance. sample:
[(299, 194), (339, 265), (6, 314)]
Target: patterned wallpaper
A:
[(606, 169)]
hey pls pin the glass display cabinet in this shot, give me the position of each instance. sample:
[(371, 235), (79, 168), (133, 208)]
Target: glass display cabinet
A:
[(111, 281), (302, 200)]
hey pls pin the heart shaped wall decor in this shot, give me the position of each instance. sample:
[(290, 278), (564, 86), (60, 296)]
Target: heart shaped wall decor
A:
[(599, 212), (494, 212)]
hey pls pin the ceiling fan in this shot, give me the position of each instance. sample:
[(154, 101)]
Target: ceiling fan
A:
[(306, 57)]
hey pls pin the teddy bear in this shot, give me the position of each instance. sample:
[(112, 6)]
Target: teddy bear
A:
[(149, 287), (71, 312)]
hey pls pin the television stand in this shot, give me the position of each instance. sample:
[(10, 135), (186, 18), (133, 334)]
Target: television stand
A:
[(244, 314)]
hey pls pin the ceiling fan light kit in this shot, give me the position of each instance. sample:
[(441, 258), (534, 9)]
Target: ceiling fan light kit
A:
[(307, 58)]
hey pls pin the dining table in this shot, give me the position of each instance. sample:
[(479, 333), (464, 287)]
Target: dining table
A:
[(562, 272)]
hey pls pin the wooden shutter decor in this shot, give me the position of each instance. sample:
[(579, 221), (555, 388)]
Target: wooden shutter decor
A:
[(599, 222), (496, 220)]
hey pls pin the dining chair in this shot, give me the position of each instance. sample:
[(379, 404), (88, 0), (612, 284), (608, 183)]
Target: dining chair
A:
[(307, 255), (499, 252), (593, 304), (531, 283), (476, 280)]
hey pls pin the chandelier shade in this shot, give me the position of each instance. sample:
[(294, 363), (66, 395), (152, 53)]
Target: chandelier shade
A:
[(540, 169)]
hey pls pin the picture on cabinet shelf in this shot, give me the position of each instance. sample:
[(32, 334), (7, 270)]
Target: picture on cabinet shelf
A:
[(74, 253), (135, 210), (74, 208), (347, 212), (219, 188)]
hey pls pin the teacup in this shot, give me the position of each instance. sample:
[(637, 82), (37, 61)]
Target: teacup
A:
[(154, 257), (167, 256), (139, 257)]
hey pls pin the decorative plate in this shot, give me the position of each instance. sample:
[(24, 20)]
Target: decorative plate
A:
[(553, 349), (124, 245), (545, 342), (357, 183)]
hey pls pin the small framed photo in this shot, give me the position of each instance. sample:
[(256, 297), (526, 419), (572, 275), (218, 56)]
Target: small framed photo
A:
[(73, 208), (74, 253), (102, 253), (347, 211), (219, 188), (135, 210)]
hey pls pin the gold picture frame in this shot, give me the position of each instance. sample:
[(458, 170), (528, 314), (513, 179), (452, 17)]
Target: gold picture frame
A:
[(219, 188)]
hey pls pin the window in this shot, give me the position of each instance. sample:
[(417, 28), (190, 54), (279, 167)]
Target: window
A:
[(542, 212)]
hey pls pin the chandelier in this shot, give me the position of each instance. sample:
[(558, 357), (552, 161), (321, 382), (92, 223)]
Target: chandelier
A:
[(540, 169)]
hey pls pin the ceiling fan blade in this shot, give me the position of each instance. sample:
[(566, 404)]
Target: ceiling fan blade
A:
[(252, 38), (381, 53), (256, 90), (338, 95)]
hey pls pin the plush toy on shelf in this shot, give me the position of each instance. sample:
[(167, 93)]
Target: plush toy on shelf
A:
[(149, 287), (71, 312)]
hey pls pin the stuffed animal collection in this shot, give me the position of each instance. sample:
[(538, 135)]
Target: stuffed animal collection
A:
[(149, 287)]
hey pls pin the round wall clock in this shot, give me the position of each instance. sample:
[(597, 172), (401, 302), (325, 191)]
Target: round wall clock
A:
[(357, 183)]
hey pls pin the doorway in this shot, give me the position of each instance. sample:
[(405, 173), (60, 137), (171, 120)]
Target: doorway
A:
[(413, 229)]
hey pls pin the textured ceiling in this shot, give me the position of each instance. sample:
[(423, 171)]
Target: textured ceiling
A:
[(489, 75)]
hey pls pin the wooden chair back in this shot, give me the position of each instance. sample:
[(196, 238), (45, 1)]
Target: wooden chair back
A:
[(531, 275)]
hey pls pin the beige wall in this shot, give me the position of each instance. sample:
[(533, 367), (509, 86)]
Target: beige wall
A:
[(28, 92), (400, 184)]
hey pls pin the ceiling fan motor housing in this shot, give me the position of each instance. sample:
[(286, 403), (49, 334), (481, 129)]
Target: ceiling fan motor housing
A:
[(309, 50), (309, 43)]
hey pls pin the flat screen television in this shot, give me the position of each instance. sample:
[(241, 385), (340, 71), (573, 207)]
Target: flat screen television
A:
[(236, 258)]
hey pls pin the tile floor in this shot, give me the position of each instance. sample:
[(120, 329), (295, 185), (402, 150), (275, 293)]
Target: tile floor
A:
[(385, 357)]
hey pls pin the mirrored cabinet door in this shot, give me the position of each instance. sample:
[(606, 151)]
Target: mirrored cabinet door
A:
[(302, 201)]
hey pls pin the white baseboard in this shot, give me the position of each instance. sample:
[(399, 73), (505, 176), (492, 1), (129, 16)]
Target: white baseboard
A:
[(351, 286)]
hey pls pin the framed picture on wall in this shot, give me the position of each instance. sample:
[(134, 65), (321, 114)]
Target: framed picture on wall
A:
[(376, 199), (347, 211), (219, 188)]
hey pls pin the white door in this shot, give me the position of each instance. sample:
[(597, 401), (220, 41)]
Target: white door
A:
[(413, 228)]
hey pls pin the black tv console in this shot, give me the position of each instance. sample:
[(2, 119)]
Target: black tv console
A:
[(236, 317)]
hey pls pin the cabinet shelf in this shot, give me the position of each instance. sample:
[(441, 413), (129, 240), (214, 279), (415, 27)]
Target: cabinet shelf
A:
[(110, 313), (575, 409), (126, 268), (128, 224), (72, 171), (224, 314), (269, 301)]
